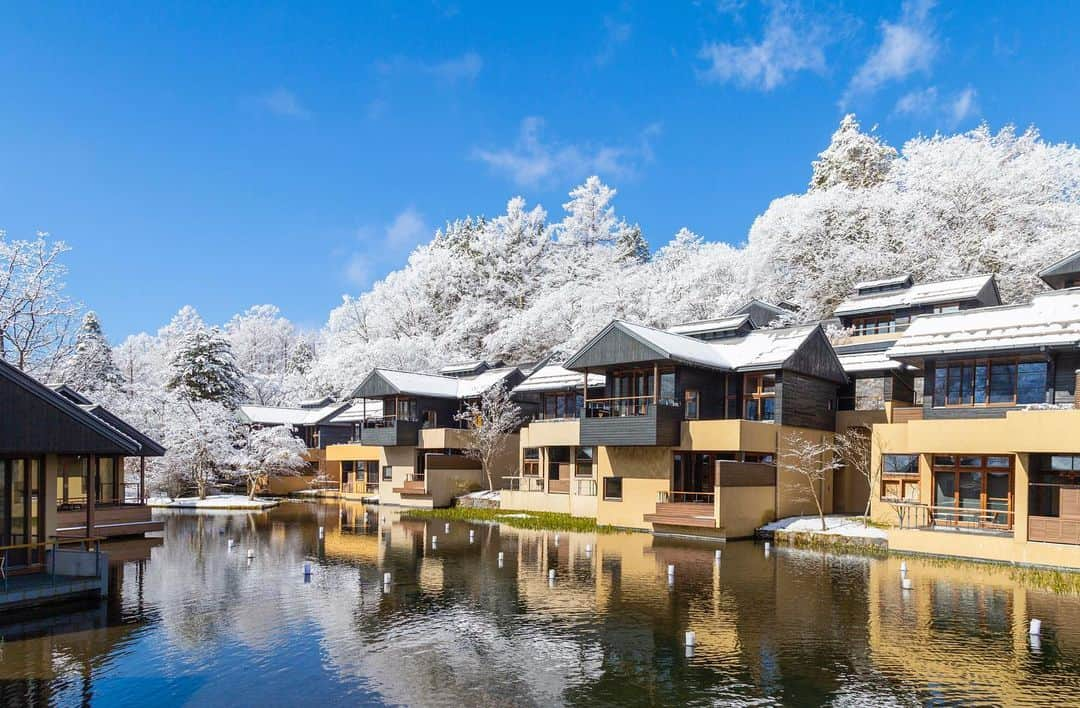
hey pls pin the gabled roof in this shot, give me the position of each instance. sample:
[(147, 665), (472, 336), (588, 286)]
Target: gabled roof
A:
[(148, 447), (1056, 274), (762, 313), (37, 419), (69, 393), (390, 382), (719, 324), (556, 378), (902, 280), (1051, 319), (316, 402), (758, 350), (279, 415), (466, 368), (981, 288)]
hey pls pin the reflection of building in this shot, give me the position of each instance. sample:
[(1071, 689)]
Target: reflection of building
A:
[(988, 464)]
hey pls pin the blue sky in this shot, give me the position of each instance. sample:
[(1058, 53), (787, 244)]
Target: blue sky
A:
[(288, 153)]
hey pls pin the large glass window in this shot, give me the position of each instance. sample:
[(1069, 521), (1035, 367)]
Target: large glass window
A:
[(990, 382), (900, 464), (692, 409), (558, 459), (560, 405), (406, 409), (874, 324), (973, 490)]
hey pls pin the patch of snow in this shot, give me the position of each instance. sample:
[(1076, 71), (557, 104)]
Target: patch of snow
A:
[(850, 526), (515, 516), (483, 495), (219, 501)]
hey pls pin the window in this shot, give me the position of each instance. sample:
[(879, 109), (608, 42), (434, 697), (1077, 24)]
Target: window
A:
[(584, 461), (900, 464), (759, 397), (560, 405), (873, 324), (973, 490), (1054, 477), (691, 408), (558, 462), (989, 382), (667, 388), (531, 463), (346, 471), (429, 419), (406, 409), (387, 473), (900, 477), (946, 307), (613, 488)]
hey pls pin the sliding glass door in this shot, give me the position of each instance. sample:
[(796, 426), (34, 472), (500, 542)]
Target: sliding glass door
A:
[(22, 518)]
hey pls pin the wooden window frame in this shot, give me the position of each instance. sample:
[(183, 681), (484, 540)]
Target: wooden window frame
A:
[(581, 463), (985, 469), (757, 392), (607, 497), (387, 473), (530, 467), (695, 395), (989, 363), (860, 325)]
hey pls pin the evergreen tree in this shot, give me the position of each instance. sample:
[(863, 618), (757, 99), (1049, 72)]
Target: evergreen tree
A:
[(853, 158), (631, 245), (91, 370), (203, 369)]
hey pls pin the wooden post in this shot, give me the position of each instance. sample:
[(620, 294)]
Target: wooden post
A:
[(585, 400), (656, 383), (91, 493), (142, 480)]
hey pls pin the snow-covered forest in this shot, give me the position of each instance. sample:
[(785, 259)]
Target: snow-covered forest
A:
[(530, 282)]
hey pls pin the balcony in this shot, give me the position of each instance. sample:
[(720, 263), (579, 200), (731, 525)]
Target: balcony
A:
[(914, 515), (59, 571), (415, 486), (632, 421), (120, 513), (390, 431)]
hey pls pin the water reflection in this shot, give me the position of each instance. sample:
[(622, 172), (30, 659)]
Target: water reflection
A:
[(193, 620)]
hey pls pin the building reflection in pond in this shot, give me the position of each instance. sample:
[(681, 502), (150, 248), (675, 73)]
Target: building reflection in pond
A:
[(199, 622)]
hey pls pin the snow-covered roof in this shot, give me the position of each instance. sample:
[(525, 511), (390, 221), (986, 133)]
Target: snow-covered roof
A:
[(1056, 274), (465, 367), (1051, 319), (758, 349), (359, 410), (945, 291), (902, 279), (276, 415), (858, 362), (718, 324), (556, 378), (439, 386)]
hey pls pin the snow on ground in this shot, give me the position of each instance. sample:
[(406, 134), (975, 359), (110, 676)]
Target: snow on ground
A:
[(485, 495), (851, 526), (219, 501)]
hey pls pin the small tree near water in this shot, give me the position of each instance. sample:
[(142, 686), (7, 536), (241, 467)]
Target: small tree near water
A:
[(811, 463), (853, 449), (492, 420), (268, 452)]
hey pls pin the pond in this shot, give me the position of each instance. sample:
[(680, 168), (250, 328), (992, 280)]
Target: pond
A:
[(191, 621)]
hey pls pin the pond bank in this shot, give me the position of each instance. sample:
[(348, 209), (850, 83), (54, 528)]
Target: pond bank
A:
[(533, 520)]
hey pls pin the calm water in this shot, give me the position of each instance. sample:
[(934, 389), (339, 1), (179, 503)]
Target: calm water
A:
[(192, 623)]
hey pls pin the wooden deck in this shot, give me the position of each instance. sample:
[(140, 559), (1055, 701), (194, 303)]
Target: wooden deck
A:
[(413, 488), (692, 514), (37, 589)]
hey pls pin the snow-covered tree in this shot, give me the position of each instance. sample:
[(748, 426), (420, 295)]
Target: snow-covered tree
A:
[(853, 158), (201, 439), (272, 355), (631, 246), (492, 420), (91, 370), (809, 464), (36, 316), (268, 452), (203, 369)]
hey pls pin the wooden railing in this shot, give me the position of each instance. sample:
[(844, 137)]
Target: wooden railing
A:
[(904, 414), (670, 497), (915, 515), (26, 552), (626, 406), (127, 493), (558, 486)]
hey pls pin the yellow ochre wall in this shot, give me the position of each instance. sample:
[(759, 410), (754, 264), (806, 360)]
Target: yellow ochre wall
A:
[(1018, 434)]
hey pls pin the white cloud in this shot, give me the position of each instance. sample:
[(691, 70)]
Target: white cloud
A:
[(407, 228), (964, 105), (282, 102), (792, 42), (927, 102), (464, 68), (615, 35), (357, 271), (531, 160), (907, 46), (920, 102)]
